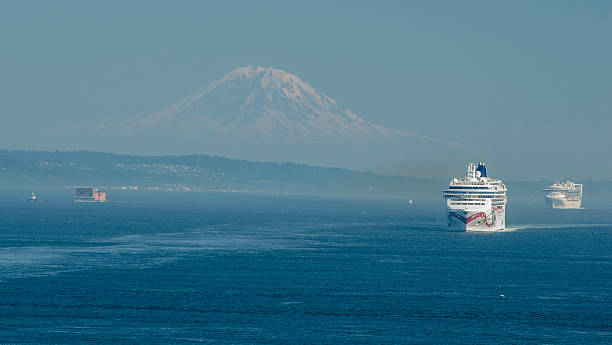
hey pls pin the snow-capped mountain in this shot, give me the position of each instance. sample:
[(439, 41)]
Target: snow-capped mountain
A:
[(265, 114), (264, 103)]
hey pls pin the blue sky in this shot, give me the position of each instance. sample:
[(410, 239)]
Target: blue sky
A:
[(525, 80)]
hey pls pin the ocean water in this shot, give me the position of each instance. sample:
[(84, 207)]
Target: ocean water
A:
[(236, 269)]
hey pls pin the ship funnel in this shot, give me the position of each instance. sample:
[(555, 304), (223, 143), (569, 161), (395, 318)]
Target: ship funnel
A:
[(482, 169)]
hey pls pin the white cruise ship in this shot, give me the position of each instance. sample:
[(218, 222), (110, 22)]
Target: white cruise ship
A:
[(564, 195), (476, 202)]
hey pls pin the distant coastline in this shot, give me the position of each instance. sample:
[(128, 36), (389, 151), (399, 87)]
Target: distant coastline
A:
[(196, 173), (40, 170)]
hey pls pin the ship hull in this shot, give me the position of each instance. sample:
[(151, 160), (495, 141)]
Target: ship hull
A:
[(561, 203), (480, 220)]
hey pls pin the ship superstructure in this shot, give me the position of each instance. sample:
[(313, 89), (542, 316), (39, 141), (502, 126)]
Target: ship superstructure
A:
[(89, 194), (564, 195), (476, 202)]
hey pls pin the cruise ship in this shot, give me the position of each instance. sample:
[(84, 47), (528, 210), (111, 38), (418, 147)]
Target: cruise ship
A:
[(476, 202), (564, 195)]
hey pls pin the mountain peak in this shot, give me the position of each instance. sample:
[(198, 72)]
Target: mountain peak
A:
[(271, 79), (265, 103), (254, 72)]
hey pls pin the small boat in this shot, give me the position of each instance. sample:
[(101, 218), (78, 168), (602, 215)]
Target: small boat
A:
[(33, 198)]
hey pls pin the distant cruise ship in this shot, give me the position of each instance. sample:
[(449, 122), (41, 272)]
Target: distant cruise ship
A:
[(564, 195), (476, 202)]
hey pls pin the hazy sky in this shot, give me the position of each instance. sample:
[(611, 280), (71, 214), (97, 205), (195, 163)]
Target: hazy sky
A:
[(530, 81)]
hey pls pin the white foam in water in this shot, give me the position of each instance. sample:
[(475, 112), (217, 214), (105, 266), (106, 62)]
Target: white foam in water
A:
[(552, 226), (110, 252)]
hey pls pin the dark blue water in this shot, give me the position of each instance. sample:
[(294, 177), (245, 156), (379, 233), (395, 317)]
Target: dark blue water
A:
[(261, 270)]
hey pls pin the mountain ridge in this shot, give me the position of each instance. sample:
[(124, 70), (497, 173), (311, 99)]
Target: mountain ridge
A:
[(194, 173)]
